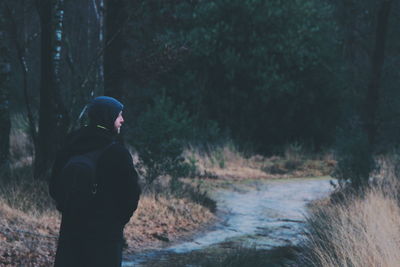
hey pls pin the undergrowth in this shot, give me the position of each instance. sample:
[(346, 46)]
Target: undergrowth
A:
[(356, 228)]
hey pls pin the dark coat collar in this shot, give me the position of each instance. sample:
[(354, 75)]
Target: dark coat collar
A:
[(88, 138)]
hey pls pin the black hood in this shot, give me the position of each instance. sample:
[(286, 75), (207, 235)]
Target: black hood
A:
[(88, 139), (103, 111)]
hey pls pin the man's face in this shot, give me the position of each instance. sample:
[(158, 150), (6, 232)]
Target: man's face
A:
[(118, 122)]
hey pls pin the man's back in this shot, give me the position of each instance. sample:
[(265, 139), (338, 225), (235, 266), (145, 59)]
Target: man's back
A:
[(117, 193), (96, 238)]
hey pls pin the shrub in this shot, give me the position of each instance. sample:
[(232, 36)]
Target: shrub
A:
[(196, 194), (159, 137)]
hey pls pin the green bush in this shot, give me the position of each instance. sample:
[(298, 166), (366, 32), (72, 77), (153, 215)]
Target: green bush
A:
[(159, 137)]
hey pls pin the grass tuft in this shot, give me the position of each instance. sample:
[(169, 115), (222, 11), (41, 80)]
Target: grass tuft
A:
[(23, 193), (356, 229)]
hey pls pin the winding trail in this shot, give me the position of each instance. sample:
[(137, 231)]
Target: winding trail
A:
[(269, 215)]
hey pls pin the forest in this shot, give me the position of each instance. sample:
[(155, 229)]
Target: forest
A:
[(260, 75)]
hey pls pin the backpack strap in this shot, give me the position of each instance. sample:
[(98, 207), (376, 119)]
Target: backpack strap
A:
[(95, 156)]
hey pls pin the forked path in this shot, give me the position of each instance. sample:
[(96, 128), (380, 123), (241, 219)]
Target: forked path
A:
[(270, 214)]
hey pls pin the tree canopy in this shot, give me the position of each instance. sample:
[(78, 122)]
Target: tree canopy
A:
[(263, 73)]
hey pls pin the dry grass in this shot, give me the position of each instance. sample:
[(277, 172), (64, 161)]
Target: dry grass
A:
[(220, 161), (358, 231), (26, 240), (28, 231), (160, 220), (227, 162), (21, 147), (29, 224)]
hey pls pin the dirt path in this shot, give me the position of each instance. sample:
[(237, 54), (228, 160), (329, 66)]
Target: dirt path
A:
[(265, 215)]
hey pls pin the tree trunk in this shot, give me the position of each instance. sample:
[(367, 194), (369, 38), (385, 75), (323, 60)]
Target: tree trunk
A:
[(374, 87), (53, 116), (116, 17), (5, 67), (99, 9)]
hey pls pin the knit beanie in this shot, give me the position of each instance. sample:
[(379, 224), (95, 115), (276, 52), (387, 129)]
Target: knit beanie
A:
[(103, 111)]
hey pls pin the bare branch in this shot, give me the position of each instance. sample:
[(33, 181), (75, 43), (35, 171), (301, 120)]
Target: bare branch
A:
[(100, 53), (22, 60)]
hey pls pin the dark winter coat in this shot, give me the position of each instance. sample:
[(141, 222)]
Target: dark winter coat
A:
[(99, 234)]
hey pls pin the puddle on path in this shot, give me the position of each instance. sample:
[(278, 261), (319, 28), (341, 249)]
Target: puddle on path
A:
[(270, 216)]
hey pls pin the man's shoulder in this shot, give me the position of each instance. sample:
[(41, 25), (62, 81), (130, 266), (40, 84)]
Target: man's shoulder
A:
[(119, 150), (75, 135)]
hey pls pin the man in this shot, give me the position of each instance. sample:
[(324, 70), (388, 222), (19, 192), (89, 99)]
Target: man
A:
[(95, 238)]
